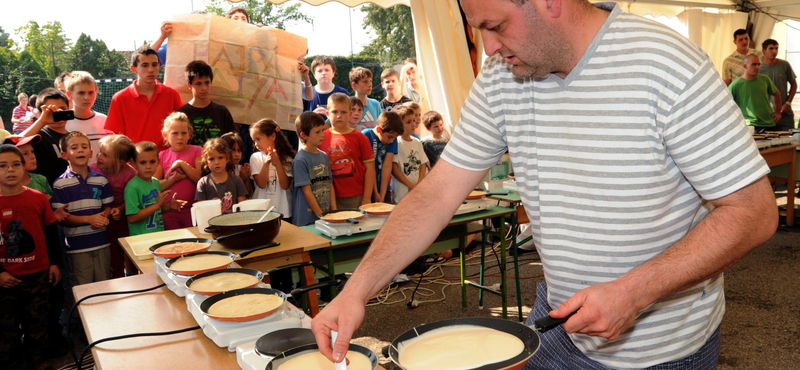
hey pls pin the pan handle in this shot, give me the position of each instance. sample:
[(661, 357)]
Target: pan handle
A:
[(385, 350), (546, 323), (265, 246), (305, 289), (222, 238), (352, 221), (289, 267)]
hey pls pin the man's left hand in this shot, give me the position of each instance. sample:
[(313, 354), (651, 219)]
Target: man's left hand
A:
[(776, 116), (603, 310)]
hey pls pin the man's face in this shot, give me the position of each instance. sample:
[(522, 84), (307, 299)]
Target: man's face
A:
[(316, 135), (240, 17), (411, 74), (752, 65), (201, 87), (30, 158), (146, 164), (83, 96), (323, 73), (390, 84), (530, 42), (339, 114), (148, 67), (771, 52), (363, 86), (11, 169), (23, 102), (742, 42), (78, 151)]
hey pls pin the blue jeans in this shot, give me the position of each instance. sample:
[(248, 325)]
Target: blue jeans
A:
[(557, 351)]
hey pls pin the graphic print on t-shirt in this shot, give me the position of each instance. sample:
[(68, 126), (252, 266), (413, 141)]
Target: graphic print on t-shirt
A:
[(148, 200), (203, 130), (413, 163), (227, 202), (320, 185), (18, 242), (341, 165)]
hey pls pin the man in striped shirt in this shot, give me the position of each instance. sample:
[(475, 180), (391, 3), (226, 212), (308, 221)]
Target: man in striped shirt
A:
[(636, 170)]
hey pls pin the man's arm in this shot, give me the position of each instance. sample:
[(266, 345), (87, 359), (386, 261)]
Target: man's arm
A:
[(411, 228), (739, 222), (792, 90), (776, 102), (727, 82)]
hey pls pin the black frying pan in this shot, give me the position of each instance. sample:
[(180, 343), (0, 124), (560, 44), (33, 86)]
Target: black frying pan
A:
[(232, 293), (230, 255), (285, 356), (279, 341), (528, 335)]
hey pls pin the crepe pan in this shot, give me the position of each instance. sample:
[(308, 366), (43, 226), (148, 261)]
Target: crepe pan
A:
[(258, 274), (230, 255), (185, 240), (352, 220)]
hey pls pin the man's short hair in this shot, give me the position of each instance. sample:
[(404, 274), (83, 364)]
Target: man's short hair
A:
[(61, 79), (145, 146), (22, 95), (431, 117), (359, 73), (79, 77), (142, 51), (47, 94), (9, 148), (339, 98), (739, 32), (390, 122), (322, 60), (198, 68), (354, 100), (767, 43), (306, 122), (237, 9), (389, 72), (64, 142), (746, 58)]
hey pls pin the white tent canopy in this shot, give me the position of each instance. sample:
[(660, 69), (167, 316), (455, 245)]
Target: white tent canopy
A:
[(445, 65)]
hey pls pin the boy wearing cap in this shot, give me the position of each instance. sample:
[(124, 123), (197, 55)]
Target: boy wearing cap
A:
[(34, 181)]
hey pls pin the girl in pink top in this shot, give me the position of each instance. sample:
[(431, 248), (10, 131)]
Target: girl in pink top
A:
[(114, 153), (179, 159)]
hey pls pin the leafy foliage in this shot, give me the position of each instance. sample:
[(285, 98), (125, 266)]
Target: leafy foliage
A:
[(45, 42), (262, 12), (94, 57), (394, 28), (3, 38)]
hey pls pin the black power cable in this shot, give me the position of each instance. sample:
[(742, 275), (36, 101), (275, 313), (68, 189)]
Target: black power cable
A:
[(72, 310), (89, 347)]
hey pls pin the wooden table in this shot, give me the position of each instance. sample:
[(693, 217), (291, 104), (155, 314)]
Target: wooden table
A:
[(156, 311), (784, 154), (294, 241)]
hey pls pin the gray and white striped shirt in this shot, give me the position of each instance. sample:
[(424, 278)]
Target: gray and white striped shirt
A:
[(614, 165)]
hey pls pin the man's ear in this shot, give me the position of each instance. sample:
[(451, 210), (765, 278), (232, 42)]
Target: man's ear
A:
[(553, 8), (133, 69)]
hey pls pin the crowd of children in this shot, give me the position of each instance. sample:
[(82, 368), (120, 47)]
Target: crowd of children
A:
[(69, 190)]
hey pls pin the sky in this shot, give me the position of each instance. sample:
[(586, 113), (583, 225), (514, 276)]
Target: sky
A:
[(123, 25)]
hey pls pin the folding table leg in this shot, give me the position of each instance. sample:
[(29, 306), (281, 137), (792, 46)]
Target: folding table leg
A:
[(514, 229), (483, 260), (463, 251), (503, 282)]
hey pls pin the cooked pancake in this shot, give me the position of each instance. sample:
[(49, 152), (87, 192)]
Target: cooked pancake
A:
[(201, 262), (341, 216), (224, 282), (182, 248), (245, 305), (315, 360), (378, 207), (459, 347)]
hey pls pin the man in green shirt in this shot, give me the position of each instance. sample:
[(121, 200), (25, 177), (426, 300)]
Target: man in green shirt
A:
[(752, 94)]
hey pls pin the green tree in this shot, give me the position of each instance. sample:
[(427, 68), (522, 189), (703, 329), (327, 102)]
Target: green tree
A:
[(262, 12), (94, 57), (42, 42), (343, 67), (395, 30), (3, 38)]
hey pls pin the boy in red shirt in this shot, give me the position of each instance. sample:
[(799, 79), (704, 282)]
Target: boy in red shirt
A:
[(350, 155), (29, 252), (139, 110)]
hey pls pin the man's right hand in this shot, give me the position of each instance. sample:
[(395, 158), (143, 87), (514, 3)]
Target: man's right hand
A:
[(9, 281), (166, 29), (344, 314)]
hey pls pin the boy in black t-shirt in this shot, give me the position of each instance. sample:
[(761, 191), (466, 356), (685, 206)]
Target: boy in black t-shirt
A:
[(209, 119), (48, 152)]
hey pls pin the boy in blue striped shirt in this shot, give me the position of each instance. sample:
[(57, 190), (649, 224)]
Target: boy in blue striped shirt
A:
[(89, 198)]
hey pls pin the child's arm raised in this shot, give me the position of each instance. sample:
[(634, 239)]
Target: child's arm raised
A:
[(262, 177), (244, 174), (283, 177)]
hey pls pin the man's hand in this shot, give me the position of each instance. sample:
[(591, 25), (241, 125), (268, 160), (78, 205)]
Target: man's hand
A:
[(344, 314), (61, 213), (55, 274), (8, 281), (776, 116), (603, 310), (166, 29), (98, 221), (786, 107), (116, 214)]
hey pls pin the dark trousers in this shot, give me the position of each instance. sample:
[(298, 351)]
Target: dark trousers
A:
[(24, 306)]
